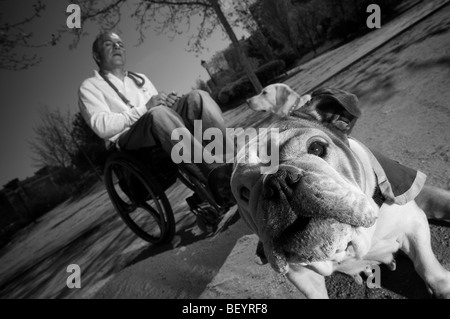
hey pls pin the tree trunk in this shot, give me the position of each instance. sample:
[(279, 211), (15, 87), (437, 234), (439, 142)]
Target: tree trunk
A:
[(311, 41), (286, 24), (243, 59), (267, 49)]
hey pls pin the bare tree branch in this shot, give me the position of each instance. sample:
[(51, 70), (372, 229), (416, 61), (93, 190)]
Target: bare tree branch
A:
[(164, 15), (13, 35), (53, 145), (181, 3)]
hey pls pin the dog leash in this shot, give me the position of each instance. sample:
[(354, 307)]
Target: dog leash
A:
[(132, 76), (377, 196)]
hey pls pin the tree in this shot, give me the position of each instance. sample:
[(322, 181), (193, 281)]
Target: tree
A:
[(248, 70), (14, 37), (245, 12), (162, 14), (53, 145), (310, 17), (276, 16), (66, 141), (91, 150)]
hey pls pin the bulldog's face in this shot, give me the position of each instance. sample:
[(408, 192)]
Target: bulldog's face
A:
[(311, 208)]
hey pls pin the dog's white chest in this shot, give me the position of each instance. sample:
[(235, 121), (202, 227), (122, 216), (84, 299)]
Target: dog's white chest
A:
[(385, 241), (380, 253)]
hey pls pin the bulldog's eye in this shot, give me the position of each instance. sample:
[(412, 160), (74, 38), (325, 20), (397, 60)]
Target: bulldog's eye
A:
[(317, 149), (264, 92)]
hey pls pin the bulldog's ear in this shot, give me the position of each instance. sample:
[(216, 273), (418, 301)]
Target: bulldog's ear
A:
[(337, 108)]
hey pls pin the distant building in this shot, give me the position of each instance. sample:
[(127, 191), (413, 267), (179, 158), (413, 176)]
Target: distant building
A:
[(18, 198)]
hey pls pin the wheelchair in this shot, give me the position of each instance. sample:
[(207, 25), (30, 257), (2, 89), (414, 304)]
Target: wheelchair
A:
[(136, 182)]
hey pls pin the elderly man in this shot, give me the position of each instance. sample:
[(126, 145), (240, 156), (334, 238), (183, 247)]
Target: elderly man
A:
[(126, 110)]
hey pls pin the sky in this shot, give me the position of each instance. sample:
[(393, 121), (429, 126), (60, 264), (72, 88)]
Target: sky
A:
[(55, 81)]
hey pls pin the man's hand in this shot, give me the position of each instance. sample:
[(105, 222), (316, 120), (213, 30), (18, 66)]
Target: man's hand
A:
[(162, 99), (156, 100), (172, 98)]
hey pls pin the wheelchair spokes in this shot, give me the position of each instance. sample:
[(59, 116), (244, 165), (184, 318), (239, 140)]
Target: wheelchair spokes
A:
[(139, 201), (136, 185)]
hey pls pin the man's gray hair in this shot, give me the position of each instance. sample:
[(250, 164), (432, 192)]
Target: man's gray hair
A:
[(96, 45)]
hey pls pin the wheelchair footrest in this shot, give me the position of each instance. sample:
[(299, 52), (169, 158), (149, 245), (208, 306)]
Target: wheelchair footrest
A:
[(207, 216)]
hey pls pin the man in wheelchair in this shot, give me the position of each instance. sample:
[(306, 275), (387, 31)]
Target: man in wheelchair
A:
[(125, 109)]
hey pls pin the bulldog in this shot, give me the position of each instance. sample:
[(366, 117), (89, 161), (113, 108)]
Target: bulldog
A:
[(332, 204)]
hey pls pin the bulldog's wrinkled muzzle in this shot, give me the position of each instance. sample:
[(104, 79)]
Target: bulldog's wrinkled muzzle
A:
[(319, 196), (310, 216)]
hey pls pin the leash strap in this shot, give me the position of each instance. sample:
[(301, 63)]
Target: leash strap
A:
[(377, 195), (131, 75)]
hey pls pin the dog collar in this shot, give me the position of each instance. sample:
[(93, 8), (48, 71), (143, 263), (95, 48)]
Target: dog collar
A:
[(295, 106)]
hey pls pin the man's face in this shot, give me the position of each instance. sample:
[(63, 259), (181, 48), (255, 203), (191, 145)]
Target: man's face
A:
[(110, 52)]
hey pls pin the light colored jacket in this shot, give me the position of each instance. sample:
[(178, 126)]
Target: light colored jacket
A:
[(103, 109)]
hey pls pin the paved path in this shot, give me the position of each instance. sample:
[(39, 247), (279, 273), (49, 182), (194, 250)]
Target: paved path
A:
[(318, 70)]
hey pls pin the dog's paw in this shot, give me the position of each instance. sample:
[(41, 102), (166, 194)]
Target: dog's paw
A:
[(358, 279), (441, 287), (441, 293), (260, 257), (260, 261)]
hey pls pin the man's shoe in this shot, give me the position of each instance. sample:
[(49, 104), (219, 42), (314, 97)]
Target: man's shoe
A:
[(219, 184)]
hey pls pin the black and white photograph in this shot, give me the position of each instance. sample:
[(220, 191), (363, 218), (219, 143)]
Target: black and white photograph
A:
[(225, 154)]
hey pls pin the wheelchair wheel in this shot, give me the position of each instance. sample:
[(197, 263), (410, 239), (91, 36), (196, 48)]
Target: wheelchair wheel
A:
[(139, 199)]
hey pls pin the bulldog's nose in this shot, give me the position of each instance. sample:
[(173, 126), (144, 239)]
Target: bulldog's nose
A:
[(284, 180)]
